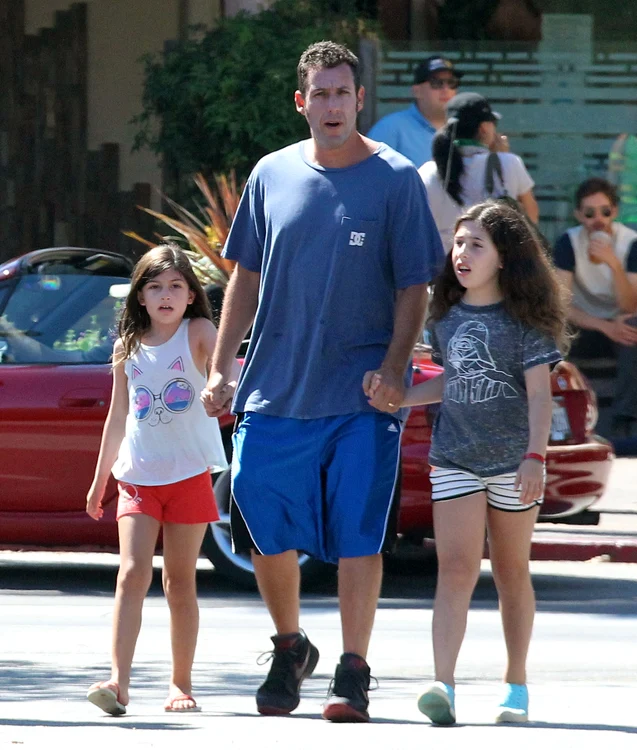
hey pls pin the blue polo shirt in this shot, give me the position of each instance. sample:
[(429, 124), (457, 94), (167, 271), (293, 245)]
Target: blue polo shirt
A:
[(332, 246), (407, 132)]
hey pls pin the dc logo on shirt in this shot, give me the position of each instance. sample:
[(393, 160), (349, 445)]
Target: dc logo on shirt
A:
[(357, 239)]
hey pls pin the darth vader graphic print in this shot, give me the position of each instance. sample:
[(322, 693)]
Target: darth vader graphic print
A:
[(477, 379), (175, 397)]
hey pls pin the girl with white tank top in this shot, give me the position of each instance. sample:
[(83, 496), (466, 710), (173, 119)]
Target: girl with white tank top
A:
[(161, 446), (168, 435)]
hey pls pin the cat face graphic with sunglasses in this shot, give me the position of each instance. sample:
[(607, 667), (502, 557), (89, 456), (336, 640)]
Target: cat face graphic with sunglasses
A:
[(596, 213)]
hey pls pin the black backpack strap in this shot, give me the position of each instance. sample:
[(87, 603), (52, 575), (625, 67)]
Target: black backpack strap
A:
[(493, 168)]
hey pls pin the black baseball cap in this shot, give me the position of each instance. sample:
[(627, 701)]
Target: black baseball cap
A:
[(431, 65), (470, 109)]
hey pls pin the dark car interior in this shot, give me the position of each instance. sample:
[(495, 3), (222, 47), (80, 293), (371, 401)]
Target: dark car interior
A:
[(62, 308)]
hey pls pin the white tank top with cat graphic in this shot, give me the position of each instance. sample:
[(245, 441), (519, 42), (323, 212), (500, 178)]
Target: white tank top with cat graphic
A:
[(168, 436)]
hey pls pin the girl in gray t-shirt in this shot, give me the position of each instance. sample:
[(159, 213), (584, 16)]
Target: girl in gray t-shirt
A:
[(496, 320)]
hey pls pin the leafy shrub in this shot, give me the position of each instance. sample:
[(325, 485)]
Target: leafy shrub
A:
[(204, 230), (221, 100)]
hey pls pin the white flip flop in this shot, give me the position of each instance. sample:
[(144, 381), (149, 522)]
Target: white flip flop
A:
[(106, 699)]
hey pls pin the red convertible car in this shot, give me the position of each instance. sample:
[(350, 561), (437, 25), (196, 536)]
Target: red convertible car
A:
[(58, 310)]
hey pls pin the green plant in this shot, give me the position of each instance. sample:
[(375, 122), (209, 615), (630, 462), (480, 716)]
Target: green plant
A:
[(221, 100), (86, 338), (206, 233)]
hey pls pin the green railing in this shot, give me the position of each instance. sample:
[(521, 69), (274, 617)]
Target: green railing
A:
[(563, 101)]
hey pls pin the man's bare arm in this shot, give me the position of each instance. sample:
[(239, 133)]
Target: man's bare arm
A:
[(389, 390), (615, 329), (239, 307), (625, 288)]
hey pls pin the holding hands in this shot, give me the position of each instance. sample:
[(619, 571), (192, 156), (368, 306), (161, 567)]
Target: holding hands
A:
[(385, 389), (217, 396)]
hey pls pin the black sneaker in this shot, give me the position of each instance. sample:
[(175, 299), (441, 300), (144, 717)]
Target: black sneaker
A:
[(293, 659), (347, 696)]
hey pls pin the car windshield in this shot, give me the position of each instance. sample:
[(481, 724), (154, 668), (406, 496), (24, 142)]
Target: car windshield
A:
[(61, 318)]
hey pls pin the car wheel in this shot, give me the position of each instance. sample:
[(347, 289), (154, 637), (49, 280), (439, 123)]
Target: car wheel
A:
[(217, 547)]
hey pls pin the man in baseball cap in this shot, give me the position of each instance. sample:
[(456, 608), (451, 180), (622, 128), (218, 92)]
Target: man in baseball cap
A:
[(410, 131)]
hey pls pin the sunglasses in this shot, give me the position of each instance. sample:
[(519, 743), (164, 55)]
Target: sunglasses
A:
[(605, 211), (176, 397), (439, 83)]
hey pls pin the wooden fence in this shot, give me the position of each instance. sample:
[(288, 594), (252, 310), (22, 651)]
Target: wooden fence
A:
[(53, 190), (563, 101)]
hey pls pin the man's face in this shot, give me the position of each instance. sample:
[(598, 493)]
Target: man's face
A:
[(330, 105), (596, 213), (433, 95)]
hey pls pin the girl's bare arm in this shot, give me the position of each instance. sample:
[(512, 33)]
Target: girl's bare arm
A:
[(204, 343), (538, 390), (428, 392), (112, 436), (530, 477)]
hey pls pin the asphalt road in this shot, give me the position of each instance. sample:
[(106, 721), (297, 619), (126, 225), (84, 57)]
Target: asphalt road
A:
[(55, 629)]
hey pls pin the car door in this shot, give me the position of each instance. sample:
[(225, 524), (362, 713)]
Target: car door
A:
[(51, 419), (55, 384)]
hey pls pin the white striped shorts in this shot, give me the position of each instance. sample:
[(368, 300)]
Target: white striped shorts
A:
[(449, 484)]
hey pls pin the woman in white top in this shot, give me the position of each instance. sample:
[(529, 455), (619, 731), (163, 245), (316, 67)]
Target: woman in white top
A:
[(465, 171)]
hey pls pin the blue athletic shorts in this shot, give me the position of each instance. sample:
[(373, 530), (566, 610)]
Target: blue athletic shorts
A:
[(325, 486)]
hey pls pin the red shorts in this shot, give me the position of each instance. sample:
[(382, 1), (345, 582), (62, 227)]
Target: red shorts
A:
[(189, 501)]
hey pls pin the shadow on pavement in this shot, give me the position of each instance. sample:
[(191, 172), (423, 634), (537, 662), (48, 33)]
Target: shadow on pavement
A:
[(122, 723), (29, 680), (412, 588), (587, 727), (544, 725)]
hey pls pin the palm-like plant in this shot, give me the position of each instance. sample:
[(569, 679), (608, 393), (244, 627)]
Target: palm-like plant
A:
[(205, 234)]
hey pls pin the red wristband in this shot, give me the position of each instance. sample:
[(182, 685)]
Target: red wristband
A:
[(536, 457)]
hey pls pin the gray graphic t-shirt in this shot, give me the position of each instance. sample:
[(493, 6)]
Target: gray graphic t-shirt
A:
[(483, 423)]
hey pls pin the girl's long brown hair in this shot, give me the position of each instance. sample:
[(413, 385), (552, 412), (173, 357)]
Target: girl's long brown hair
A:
[(135, 321), (530, 286)]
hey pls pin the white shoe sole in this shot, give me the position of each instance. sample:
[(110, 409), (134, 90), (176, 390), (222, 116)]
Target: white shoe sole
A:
[(508, 716), (435, 704)]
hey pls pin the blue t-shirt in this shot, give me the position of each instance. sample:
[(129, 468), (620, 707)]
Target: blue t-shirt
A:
[(407, 132), (332, 247), (483, 422)]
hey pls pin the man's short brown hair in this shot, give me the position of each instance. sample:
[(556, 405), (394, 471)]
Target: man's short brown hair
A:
[(595, 185), (326, 55)]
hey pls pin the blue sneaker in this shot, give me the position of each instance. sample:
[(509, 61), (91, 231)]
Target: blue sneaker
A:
[(438, 703), (514, 707)]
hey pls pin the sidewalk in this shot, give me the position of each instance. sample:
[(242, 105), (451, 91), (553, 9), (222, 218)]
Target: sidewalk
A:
[(613, 540)]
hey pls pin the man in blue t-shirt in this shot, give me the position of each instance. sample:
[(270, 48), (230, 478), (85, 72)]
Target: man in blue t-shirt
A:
[(410, 131), (335, 246)]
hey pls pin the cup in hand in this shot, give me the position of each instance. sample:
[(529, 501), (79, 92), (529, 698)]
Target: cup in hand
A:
[(601, 237)]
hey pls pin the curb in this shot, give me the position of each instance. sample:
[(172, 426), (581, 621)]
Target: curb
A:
[(576, 548), (581, 547)]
